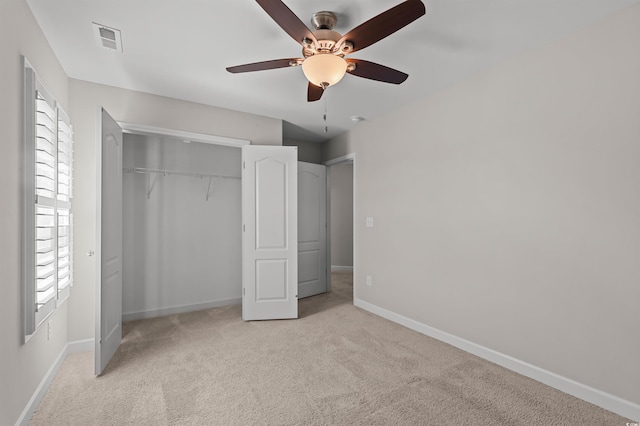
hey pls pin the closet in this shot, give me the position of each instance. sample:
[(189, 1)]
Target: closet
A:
[(181, 226)]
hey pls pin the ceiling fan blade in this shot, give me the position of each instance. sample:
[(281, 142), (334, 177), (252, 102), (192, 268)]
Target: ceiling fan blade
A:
[(288, 20), (377, 72), (314, 93), (383, 25), (261, 66)]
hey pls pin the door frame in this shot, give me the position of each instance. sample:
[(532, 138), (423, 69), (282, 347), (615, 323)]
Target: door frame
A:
[(141, 129), (344, 159)]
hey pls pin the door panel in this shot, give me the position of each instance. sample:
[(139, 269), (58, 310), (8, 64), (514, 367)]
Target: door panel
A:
[(308, 267), (271, 194), (271, 280), (270, 233), (109, 293), (312, 229)]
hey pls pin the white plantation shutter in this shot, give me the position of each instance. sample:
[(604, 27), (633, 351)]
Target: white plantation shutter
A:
[(65, 154), (45, 146), (47, 183), (64, 194), (45, 192), (64, 253), (45, 256)]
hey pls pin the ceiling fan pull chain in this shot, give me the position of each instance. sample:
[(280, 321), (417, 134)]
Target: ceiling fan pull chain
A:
[(324, 117)]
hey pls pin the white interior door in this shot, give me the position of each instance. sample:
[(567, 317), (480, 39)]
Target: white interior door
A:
[(270, 228), (109, 293), (312, 229)]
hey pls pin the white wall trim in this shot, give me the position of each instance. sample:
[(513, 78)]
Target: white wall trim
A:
[(184, 135), (41, 390), (78, 346), (153, 313), (341, 268), (594, 396), (342, 159)]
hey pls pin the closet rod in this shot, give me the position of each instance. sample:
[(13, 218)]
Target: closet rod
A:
[(169, 172)]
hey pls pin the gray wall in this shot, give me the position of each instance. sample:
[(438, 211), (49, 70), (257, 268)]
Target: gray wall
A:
[(181, 251), (309, 152), (507, 207), (22, 367), (143, 109), (341, 178)]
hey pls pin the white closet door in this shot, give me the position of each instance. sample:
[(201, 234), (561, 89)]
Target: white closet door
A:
[(312, 229), (270, 237), (109, 293)]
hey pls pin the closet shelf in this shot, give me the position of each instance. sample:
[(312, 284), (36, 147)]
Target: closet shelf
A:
[(151, 184), (171, 172)]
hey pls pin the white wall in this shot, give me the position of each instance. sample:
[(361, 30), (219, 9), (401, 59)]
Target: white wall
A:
[(143, 109), (181, 251), (507, 207), (22, 367), (341, 178)]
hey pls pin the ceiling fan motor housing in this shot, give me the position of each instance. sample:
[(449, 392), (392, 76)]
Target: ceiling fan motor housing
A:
[(324, 20), (326, 40), (323, 23)]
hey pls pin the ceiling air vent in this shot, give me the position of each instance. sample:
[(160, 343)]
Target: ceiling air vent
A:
[(109, 38)]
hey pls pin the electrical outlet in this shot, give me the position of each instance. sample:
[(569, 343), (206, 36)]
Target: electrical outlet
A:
[(369, 222), (369, 280)]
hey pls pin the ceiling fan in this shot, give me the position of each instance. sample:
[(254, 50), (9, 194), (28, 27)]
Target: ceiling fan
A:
[(324, 50)]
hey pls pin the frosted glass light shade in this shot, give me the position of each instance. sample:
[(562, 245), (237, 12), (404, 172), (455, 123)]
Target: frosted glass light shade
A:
[(324, 69)]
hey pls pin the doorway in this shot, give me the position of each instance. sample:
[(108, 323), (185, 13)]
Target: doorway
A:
[(341, 216), (181, 221)]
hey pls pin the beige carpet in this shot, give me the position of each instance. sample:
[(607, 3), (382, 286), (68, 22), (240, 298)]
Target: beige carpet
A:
[(335, 365)]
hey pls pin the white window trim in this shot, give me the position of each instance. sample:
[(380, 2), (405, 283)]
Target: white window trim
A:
[(45, 143)]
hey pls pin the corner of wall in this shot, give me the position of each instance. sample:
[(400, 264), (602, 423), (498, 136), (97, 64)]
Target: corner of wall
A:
[(70, 348)]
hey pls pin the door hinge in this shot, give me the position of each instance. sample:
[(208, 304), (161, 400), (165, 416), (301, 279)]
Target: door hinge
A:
[(244, 164), (244, 228), (244, 291)]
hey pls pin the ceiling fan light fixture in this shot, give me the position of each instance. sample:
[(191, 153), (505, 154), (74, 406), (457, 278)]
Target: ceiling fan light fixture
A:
[(324, 69)]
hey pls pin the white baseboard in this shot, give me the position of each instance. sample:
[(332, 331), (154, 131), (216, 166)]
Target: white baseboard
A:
[(337, 268), (594, 396), (81, 346), (41, 390), (153, 313)]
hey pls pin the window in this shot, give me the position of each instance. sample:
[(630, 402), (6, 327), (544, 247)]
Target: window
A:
[(47, 193)]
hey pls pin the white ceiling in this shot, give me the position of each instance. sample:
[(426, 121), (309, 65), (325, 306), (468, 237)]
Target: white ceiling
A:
[(180, 49)]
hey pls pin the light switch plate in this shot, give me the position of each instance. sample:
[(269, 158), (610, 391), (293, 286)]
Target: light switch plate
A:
[(369, 222)]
